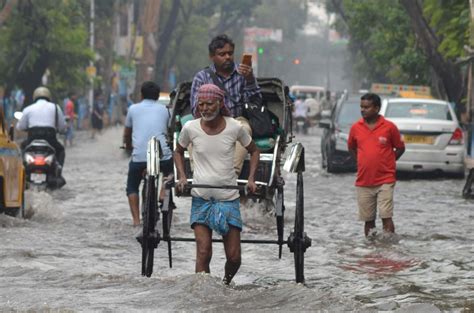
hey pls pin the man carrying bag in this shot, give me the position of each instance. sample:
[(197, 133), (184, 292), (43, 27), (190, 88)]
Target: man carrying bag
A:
[(238, 83)]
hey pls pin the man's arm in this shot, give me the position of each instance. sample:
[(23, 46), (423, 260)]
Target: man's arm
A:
[(353, 152), (399, 152), (198, 81), (23, 122), (254, 158), (398, 144), (251, 88), (127, 138), (179, 163), (61, 120), (352, 144)]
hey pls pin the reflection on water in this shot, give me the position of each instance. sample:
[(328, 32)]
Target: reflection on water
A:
[(77, 250)]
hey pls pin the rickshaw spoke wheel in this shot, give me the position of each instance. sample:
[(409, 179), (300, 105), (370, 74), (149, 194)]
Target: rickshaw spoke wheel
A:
[(280, 211), (167, 219), (150, 240), (299, 235)]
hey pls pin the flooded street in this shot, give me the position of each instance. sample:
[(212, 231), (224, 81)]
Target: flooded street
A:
[(78, 252)]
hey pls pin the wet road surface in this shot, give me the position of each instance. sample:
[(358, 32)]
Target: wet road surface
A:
[(77, 252)]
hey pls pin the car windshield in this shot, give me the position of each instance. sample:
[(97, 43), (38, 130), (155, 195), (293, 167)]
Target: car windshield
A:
[(419, 110), (349, 113)]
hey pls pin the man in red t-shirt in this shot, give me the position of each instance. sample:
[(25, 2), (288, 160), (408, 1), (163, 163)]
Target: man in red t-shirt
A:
[(376, 145)]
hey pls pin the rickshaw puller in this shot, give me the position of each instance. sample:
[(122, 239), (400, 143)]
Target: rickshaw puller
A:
[(213, 136)]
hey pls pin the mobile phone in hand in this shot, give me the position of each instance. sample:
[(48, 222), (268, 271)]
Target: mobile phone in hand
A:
[(247, 59)]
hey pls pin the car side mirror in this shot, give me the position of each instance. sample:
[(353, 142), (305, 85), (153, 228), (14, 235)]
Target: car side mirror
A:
[(11, 132)]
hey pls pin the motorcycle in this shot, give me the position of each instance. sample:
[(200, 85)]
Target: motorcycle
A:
[(43, 170)]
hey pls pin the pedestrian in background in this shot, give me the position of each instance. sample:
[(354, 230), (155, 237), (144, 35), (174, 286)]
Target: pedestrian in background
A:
[(70, 115), (376, 145), (145, 120), (97, 117)]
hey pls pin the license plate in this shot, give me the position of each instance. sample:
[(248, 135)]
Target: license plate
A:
[(419, 139), (38, 177)]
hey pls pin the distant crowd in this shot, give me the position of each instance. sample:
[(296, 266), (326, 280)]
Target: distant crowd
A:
[(80, 115)]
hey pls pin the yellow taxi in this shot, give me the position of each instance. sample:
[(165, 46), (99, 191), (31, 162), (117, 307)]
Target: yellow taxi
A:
[(12, 173)]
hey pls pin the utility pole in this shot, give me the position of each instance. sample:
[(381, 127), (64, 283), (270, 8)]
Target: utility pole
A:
[(467, 191), (91, 71)]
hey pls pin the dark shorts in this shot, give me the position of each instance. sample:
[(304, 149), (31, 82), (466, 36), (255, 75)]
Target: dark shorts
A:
[(135, 173)]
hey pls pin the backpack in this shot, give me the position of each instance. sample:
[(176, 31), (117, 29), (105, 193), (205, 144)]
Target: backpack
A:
[(259, 117)]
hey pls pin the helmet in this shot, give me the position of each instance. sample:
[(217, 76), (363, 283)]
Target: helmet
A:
[(41, 92)]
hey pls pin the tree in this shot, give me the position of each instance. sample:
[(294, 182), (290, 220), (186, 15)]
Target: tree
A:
[(408, 41), (188, 26), (44, 36), (383, 48), (442, 33)]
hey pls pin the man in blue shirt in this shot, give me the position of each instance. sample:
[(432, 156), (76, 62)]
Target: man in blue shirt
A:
[(239, 83), (144, 120)]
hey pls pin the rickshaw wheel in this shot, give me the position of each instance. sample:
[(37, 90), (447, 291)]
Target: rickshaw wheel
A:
[(299, 244), (167, 219), (149, 221), (280, 211)]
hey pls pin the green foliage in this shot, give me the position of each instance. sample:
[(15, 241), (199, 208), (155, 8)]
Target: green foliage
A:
[(383, 43), (47, 35), (380, 33), (188, 50), (450, 19)]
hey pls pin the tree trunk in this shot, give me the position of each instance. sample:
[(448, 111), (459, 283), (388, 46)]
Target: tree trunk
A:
[(109, 55), (146, 66), (359, 45), (31, 80), (447, 71), (164, 42)]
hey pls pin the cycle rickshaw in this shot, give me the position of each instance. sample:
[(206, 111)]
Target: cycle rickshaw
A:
[(274, 150)]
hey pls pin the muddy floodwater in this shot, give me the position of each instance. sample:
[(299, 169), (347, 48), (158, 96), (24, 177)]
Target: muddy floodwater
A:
[(77, 252)]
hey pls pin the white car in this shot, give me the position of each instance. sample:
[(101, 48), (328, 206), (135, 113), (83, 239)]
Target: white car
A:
[(433, 137)]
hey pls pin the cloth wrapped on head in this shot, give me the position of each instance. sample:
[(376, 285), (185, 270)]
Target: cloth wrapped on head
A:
[(210, 92)]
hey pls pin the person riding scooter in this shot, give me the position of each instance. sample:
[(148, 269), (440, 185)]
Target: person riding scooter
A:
[(42, 120)]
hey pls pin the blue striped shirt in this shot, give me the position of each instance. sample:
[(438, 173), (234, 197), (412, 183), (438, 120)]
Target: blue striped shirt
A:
[(236, 85)]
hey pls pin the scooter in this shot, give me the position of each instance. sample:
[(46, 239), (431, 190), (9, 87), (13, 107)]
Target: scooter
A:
[(43, 170)]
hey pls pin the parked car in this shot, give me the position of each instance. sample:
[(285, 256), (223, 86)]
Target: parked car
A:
[(337, 124), (433, 137), (12, 173)]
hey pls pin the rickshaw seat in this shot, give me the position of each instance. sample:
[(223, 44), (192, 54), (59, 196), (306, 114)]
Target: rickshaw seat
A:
[(185, 118)]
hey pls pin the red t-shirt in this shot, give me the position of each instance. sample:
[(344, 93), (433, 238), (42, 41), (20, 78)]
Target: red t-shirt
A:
[(69, 109), (376, 163)]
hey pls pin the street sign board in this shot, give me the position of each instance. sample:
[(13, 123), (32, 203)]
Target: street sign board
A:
[(387, 89), (263, 34), (91, 71)]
